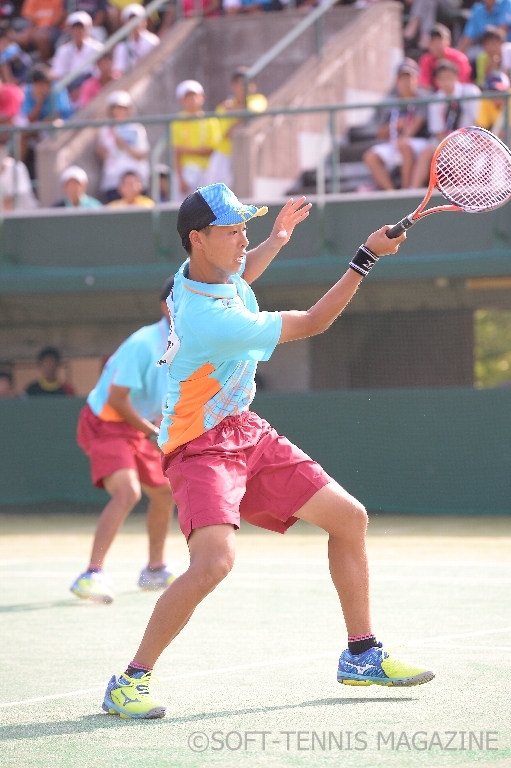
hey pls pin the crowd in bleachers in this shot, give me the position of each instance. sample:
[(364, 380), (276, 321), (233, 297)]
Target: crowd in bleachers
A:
[(43, 41)]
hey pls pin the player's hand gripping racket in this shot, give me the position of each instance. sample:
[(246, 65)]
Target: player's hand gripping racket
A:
[(472, 169)]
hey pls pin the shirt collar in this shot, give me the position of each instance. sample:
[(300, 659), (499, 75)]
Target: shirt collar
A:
[(211, 290)]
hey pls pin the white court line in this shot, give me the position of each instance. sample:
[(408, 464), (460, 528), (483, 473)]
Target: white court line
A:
[(254, 665), (200, 673), (464, 647)]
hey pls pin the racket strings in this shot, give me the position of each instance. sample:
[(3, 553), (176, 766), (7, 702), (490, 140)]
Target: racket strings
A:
[(473, 171)]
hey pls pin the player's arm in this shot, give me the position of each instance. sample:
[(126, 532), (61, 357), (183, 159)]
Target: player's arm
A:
[(259, 258), (300, 325), (119, 399)]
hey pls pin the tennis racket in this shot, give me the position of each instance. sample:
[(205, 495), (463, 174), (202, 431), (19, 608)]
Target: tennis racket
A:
[(472, 169)]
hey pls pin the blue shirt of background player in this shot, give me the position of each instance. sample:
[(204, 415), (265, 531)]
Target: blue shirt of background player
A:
[(133, 365)]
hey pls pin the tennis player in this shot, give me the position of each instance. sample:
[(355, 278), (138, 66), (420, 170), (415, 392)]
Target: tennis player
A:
[(117, 430), (225, 462)]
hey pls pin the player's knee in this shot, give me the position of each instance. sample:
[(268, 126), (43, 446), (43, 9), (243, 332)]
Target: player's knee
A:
[(210, 572), (131, 494)]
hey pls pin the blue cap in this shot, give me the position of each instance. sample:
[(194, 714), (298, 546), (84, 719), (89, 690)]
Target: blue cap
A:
[(215, 205), (226, 206)]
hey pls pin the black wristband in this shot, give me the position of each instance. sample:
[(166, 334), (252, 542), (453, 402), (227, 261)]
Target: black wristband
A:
[(363, 261)]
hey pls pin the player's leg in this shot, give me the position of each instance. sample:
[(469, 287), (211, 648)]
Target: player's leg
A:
[(211, 559), (345, 519), (365, 662), (123, 486), (159, 515)]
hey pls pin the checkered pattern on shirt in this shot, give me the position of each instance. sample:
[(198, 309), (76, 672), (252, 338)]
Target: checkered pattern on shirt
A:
[(234, 397)]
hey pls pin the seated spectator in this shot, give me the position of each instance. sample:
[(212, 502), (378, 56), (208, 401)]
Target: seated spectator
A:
[(486, 13), (220, 163), (491, 111), (69, 56), (42, 104), (114, 10), (48, 361), (138, 43), (11, 99), (440, 49), (14, 63), (93, 85), (443, 118), (96, 10), (15, 186), (489, 59), (423, 15), (193, 141), (404, 130), (122, 148), (130, 191), (189, 8), (74, 182), (44, 22), (7, 385)]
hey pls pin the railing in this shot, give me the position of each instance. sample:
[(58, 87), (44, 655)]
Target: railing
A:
[(326, 166)]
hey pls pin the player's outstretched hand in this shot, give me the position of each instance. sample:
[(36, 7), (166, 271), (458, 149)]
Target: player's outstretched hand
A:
[(292, 214), (379, 243)]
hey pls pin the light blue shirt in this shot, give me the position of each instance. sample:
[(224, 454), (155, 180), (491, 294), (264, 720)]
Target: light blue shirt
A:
[(222, 337), (133, 365), (480, 18)]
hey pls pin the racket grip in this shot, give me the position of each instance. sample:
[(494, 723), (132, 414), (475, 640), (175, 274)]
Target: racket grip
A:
[(400, 227)]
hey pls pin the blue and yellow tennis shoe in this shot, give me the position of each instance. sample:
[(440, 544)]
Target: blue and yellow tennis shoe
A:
[(94, 586), (130, 697), (155, 579), (376, 667)]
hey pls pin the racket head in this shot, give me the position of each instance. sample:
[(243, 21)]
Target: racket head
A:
[(472, 169)]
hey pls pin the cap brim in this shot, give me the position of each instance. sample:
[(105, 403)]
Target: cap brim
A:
[(239, 216)]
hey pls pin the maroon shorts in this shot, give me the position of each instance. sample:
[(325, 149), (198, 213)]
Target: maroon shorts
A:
[(241, 468), (114, 445)]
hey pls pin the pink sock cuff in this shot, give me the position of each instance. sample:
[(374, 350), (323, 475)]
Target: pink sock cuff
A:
[(140, 666), (355, 638)]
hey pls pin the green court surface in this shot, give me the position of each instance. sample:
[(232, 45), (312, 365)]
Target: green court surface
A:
[(256, 665)]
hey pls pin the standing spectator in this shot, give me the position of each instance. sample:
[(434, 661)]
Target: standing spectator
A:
[(74, 182), (445, 117), (42, 104), (7, 385), (423, 14), (14, 63), (122, 148), (492, 111), (495, 13), (130, 191), (15, 185), (96, 10), (93, 85), (404, 130), (138, 43), (439, 50), (48, 361), (220, 164), (69, 56), (489, 59), (44, 19), (193, 140)]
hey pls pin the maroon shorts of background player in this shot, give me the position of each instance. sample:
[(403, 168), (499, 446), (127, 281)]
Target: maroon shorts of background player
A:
[(114, 445)]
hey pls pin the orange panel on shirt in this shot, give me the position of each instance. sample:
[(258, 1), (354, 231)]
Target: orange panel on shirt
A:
[(108, 413), (188, 420)]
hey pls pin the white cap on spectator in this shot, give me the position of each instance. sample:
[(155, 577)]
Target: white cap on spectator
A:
[(135, 9), (188, 86), (79, 17), (74, 172), (120, 99)]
